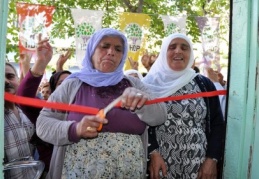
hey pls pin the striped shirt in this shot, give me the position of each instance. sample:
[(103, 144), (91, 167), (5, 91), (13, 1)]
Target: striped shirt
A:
[(17, 134)]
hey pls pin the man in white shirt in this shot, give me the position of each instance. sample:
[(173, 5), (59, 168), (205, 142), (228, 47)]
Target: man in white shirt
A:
[(220, 84)]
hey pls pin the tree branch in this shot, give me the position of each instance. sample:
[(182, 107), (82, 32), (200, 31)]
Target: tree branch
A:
[(129, 6), (203, 8), (140, 6)]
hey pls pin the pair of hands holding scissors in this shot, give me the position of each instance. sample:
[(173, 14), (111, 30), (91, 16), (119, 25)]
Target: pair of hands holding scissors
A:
[(131, 99)]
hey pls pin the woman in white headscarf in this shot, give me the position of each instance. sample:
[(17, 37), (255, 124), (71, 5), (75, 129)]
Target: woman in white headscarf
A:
[(190, 141)]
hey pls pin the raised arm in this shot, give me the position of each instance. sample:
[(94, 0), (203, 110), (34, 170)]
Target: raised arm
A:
[(29, 85), (24, 60), (62, 60)]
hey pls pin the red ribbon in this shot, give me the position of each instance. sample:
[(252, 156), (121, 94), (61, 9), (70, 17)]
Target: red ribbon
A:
[(54, 105), (187, 96), (90, 110)]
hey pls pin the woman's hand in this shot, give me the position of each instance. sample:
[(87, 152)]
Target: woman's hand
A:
[(133, 98), (156, 164), (25, 60), (133, 64), (87, 127), (212, 75), (44, 55), (62, 60), (208, 169)]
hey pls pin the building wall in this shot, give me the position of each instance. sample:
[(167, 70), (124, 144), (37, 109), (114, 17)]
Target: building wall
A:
[(3, 20), (242, 118)]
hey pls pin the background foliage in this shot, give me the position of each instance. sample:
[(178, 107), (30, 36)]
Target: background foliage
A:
[(63, 25)]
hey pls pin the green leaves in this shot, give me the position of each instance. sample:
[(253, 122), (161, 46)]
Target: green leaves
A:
[(63, 24)]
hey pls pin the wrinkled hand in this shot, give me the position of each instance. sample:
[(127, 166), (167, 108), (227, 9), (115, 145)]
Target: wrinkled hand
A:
[(133, 98), (133, 64), (44, 54), (212, 75), (62, 60), (156, 164), (44, 50), (87, 127), (221, 79), (208, 169), (25, 59)]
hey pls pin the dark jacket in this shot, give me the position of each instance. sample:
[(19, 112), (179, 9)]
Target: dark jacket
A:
[(215, 126)]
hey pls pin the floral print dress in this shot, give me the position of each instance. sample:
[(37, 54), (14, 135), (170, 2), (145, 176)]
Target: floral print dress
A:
[(109, 156), (182, 140)]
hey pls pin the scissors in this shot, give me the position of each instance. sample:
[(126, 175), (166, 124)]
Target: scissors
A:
[(102, 113)]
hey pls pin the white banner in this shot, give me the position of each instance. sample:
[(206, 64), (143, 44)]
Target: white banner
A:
[(86, 23), (174, 24), (209, 28)]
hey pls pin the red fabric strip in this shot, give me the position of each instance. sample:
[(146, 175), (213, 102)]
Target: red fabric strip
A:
[(90, 110), (187, 96), (54, 105)]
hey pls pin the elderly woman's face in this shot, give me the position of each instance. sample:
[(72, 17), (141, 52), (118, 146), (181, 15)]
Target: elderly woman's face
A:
[(108, 54), (178, 54)]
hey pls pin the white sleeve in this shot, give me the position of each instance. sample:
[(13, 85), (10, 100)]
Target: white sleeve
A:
[(222, 98)]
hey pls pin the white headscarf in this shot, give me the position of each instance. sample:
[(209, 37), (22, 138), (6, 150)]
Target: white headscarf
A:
[(132, 71), (164, 81)]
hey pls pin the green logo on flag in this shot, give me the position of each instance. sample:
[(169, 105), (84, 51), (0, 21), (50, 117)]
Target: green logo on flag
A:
[(83, 33), (84, 29), (172, 28), (134, 34)]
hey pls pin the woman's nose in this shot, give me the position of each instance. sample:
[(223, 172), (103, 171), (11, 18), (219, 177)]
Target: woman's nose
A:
[(111, 51), (178, 50)]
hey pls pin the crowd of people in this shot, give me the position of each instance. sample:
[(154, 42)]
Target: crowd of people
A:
[(171, 139)]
